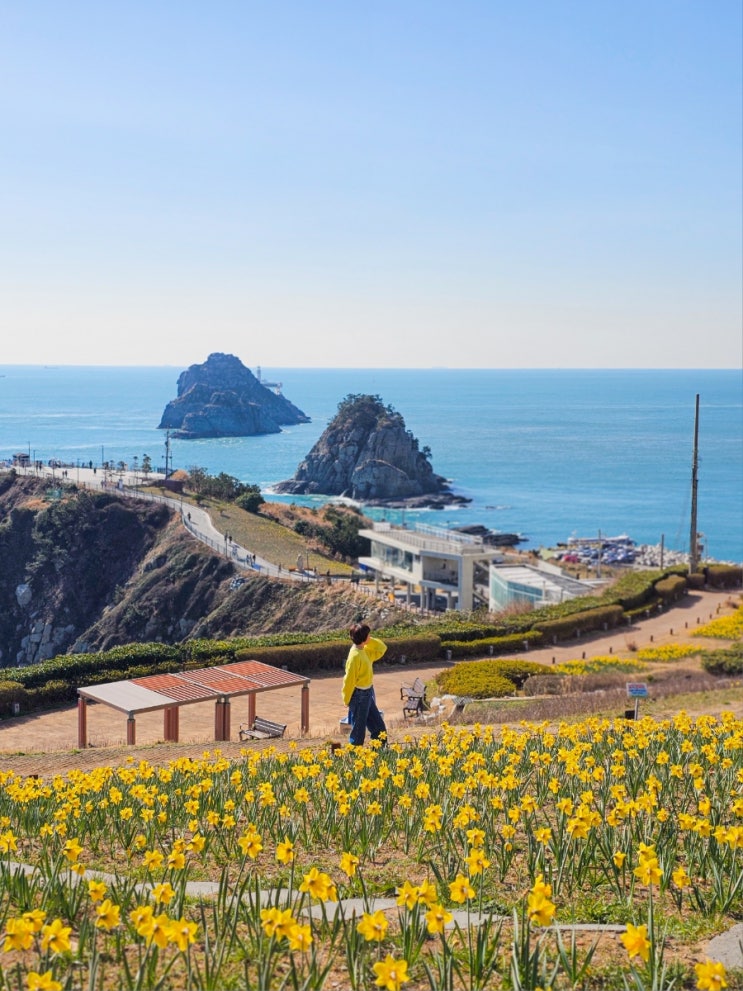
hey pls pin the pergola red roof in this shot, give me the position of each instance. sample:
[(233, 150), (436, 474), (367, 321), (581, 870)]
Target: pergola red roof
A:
[(169, 691)]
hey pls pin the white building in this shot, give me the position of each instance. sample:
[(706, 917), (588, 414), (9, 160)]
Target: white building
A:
[(539, 585), (436, 561)]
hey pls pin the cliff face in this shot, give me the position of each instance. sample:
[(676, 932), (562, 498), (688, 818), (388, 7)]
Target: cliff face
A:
[(92, 570), (366, 454), (222, 398)]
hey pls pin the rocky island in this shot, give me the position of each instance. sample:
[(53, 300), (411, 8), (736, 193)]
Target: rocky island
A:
[(367, 454), (222, 398)]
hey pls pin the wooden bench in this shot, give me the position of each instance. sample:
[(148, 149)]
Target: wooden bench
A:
[(262, 729), (413, 698)]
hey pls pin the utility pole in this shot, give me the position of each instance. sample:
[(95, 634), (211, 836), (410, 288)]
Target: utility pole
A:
[(693, 544)]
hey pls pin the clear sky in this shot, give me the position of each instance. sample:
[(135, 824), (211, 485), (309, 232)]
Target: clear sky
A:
[(403, 183)]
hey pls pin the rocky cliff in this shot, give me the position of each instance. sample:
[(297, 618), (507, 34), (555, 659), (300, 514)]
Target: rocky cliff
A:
[(367, 454), (222, 398), (93, 570)]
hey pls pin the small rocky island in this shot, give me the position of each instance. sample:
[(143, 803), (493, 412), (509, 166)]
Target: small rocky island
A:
[(366, 454), (222, 398)]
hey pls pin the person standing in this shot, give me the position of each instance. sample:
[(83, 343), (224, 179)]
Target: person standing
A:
[(358, 687)]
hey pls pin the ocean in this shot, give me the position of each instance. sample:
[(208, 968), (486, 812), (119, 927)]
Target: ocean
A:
[(550, 454)]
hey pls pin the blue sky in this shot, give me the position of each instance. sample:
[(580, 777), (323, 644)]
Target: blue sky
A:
[(549, 183)]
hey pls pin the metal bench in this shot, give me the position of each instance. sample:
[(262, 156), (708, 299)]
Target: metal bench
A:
[(262, 729), (413, 698)]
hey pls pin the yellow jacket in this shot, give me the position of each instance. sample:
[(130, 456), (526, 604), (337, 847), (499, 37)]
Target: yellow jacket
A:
[(359, 672)]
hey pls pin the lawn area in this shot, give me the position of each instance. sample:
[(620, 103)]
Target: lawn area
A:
[(268, 539)]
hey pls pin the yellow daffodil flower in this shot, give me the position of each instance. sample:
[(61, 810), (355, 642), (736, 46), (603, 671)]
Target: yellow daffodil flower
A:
[(390, 973)]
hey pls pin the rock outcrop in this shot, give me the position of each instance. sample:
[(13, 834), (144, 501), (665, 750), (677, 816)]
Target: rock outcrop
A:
[(222, 398), (94, 570), (366, 454)]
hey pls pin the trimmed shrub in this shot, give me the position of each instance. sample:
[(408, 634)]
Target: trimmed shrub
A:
[(724, 575), (303, 658), (671, 588), (219, 651), (466, 634), (476, 681), (724, 662), (12, 693), (501, 645), (299, 658), (605, 617), (79, 668), (54, 694)]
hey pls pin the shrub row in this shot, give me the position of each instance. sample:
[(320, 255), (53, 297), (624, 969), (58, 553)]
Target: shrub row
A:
[(725, 575), (633, 595), (605, 617), (303, 658), (501, 645), (671, 588), (79, 669), (460, 633), (63, 691)]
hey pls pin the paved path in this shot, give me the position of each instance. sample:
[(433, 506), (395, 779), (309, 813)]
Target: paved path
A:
[(38, 735), (197, 521)]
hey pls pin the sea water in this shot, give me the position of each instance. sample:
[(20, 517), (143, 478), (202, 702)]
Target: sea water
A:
[(549, 454)]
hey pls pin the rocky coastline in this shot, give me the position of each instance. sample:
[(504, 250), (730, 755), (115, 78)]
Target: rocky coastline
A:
[(367, 455)]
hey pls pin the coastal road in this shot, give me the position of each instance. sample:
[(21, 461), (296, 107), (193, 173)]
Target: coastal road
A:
[(197, 521)]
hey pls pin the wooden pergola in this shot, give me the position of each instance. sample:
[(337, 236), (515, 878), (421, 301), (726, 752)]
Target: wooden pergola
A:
[(170, 691)]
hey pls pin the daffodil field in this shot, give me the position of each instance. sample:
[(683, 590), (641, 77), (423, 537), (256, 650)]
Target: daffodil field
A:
[(469, 853)]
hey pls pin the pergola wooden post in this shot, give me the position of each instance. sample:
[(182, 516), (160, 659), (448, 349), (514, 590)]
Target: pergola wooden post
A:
[(222, 719), (251, 708), (82, 722), (171, 721), (131, 730), (305, 717)]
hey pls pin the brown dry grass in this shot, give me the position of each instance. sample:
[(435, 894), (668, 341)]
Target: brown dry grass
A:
[(270, 535)]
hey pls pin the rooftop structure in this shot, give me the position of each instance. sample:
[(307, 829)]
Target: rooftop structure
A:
[(538, 586), (437, 562)]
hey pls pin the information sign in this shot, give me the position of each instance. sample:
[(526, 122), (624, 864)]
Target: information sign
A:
[(637, 689)]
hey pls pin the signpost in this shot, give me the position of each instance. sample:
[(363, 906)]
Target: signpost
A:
[(635, 690)]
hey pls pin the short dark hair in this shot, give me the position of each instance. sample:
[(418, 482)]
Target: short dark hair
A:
[(359, 633)]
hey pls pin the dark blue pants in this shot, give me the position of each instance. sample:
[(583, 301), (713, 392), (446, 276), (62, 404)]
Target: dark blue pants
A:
[(364, 715)]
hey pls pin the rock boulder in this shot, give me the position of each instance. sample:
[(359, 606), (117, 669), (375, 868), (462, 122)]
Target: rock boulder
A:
[(367, 454), (222, 398)]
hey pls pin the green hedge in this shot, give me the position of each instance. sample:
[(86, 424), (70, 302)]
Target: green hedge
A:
[(695, 580), (724, 662), (465, 633), (303, 658), (671, 588), (210, 650), (725, 575), (80, 668), (605, 617), (480, 680), (12, 693), (501, 645)]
